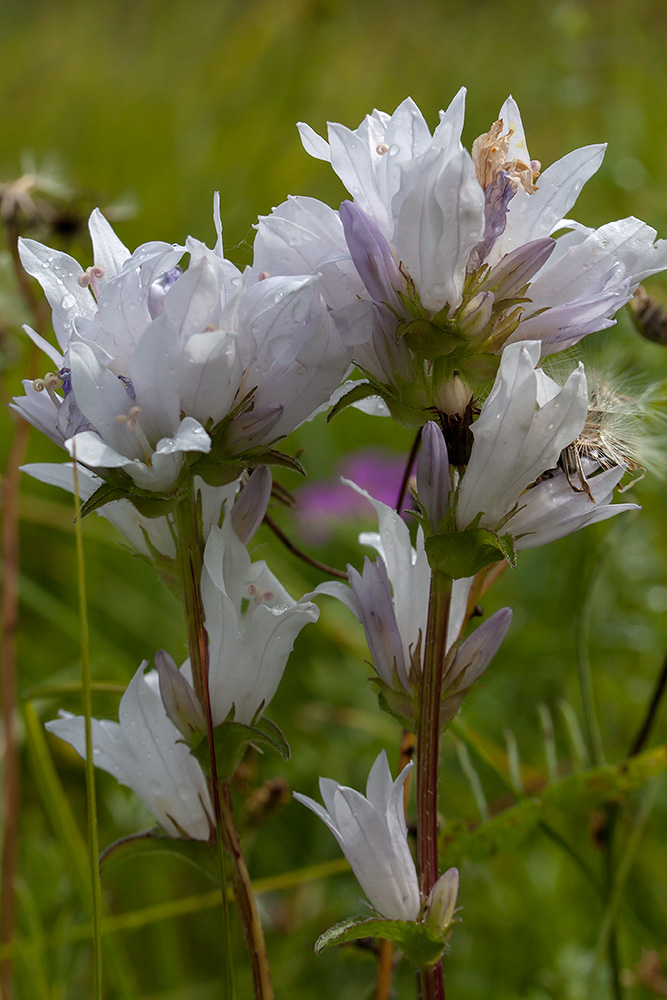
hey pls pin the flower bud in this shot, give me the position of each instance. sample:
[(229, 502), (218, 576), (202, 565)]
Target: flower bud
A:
[(179, 699), (250, 505), (371, 255), (516, 268), (433, 482), (453, 396), (441, 904)]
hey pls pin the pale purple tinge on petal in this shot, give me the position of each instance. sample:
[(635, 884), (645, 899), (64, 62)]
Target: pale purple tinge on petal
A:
[(250, 505), (476, 653), (180, 702), (377, 614), (510, 425), (372, 255), (372, 835), (433, 479), (515, 269), (552, 509), (158, 290), (252, 428)]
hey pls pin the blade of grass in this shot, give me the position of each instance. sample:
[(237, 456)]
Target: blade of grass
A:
[(93, 839), (137, 919)]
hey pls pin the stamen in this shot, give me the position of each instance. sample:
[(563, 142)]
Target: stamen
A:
[(50, 383), (259, 596), (91, 277), (263, 275), (131, 422)]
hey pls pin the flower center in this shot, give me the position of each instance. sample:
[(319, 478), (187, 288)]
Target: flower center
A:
[(130, 421)]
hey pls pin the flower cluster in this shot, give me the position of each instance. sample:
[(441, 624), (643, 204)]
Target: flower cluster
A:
[(446, 279), (158, 367)]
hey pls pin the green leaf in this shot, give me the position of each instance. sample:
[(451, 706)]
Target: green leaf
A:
[(422, 945), (275, 457), (104, 494), (507, 830), (361, 391), (464, 553), (232, 739), (273, 736), (584, 790), (199, 853)]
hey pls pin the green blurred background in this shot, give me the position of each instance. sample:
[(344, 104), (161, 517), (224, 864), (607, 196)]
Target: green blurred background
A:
[(154, 106)]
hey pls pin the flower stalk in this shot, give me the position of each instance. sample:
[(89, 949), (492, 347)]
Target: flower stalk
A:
[(191, 553), (428, 743)]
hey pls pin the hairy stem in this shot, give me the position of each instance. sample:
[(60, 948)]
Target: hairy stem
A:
[(428, 744), (191, 550), (245, 900)]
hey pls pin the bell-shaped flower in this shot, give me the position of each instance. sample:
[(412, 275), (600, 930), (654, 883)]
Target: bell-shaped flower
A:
[(512, 484), (390, 598), (372, 834), (144, 751), (444, 214), (252, 623), (149, 355)]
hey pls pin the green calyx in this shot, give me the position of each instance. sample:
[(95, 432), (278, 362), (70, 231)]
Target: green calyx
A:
[(232, 739), (460, 554), (421, 943)]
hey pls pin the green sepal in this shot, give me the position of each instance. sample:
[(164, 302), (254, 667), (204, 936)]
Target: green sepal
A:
[(218, 473), (398, 703), (232, 739), (156, 504), (480, 367), (427, 340), (148, 502), (464, 553), (275, 457), (199, 853), (422, 945), (104, 494), (361, 391)]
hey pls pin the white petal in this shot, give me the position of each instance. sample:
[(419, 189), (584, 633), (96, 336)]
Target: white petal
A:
[(109, 251), (439, 213)]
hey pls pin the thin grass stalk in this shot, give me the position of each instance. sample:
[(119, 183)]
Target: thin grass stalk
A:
[(8, 626), (134, 920), (73, 847), (93, 839), (428, 745)]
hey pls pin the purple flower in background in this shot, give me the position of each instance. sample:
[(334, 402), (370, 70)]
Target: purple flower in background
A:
[(322, 505)]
